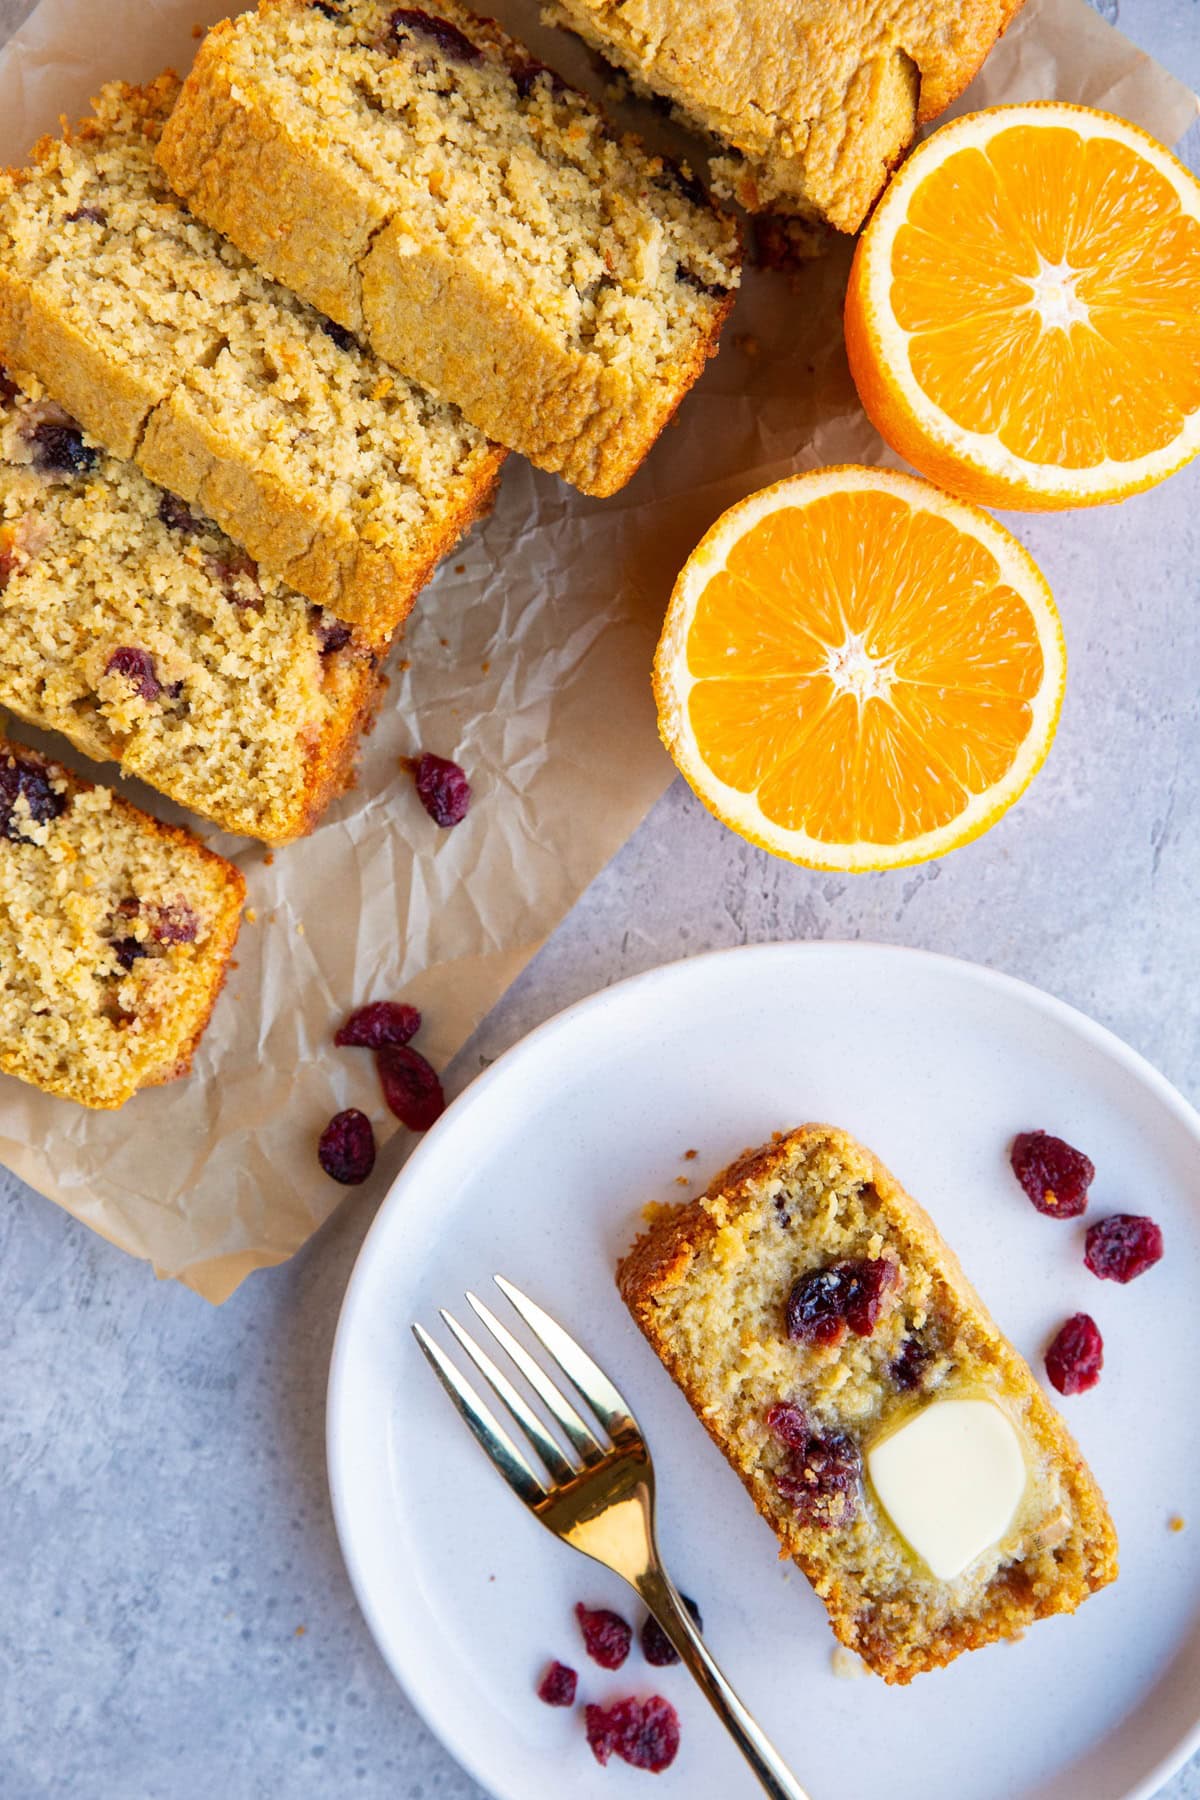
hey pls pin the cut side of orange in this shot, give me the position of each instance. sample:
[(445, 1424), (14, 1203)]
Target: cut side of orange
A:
[(1023, 313), (858, 672)]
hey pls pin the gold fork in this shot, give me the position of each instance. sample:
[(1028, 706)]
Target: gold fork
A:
[(603, 1504)]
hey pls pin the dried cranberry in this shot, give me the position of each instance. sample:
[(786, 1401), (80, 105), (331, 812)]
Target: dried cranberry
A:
[(821, 1477), (606, 1636), (1123, 1246), (410, 1086), (237, 575), (789, 1424), (345, 340), (1055, 1177), (527, 74), (1076, 1357), (557, 1686), (643, 1733), (332, 634), (822, 1480), (713, 289), (175, 923), (347, 1147), (138, 668), (27, 782), (823, 1303), (452, 42), (127, 951), (8, 562), (681, 178), (657, 1647), (444, 790), (381, 1022), (600, 1724), (177, 515), (95, 215), (61, 449), (908, 1368)]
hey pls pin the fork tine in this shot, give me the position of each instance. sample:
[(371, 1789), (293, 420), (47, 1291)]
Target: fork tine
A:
[(583, 1439), (560, 1469), (589, 1381), (494, 1439)]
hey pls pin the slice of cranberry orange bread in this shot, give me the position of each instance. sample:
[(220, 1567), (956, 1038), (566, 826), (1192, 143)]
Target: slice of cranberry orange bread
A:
[(115, 935), (811, 105), (132, 625), (889, 1434), (423, 180), (338, 475)]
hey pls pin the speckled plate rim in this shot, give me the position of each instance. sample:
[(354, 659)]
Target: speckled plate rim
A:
[(411, 1676)]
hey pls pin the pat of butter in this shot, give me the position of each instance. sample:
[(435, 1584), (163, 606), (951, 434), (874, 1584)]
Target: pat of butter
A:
[(950, 1480)]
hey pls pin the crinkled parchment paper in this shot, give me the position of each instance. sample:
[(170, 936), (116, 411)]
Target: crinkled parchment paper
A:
[(527, 659)]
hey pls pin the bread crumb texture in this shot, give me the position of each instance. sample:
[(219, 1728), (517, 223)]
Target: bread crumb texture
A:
[(171, 348), (709, 1285), (812, 103), (130, 623), (425, 181), (115, 934)]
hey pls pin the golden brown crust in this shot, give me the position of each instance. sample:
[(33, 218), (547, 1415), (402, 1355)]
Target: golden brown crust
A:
[(593, 426), (236, 167), (373, 586), (224, 937), (818, 101), (661, 1263), (335, 755)]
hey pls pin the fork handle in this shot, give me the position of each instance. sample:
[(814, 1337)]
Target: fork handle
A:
[(662, 1597)]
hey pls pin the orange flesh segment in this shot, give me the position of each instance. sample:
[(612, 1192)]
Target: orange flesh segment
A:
[(957, 649), (986, 224)]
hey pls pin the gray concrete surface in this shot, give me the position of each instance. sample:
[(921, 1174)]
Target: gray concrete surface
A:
[(174, 1617)]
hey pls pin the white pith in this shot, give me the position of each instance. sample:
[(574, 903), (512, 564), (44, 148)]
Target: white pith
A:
[(1052, 297), (676, 681), (854, 670)]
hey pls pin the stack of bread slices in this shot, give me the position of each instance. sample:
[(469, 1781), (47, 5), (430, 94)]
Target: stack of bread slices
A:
[(265, 339), (218, 500)]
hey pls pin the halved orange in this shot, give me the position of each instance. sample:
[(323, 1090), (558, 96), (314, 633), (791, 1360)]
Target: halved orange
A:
[(1023, 314), (858, 672)]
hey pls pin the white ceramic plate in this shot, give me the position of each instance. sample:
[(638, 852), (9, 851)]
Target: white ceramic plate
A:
[(540, 1171)]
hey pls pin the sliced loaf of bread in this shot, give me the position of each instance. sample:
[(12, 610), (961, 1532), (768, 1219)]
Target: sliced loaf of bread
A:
[(338, 475), (132, 625), (429, 185), (115, 936)]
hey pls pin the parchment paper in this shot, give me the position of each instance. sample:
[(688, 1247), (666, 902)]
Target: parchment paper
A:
[(527, 659)]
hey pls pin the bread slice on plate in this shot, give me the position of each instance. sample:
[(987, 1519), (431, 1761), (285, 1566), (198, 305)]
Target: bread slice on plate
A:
[(426, 182), (115, 936), (812, 1315)]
